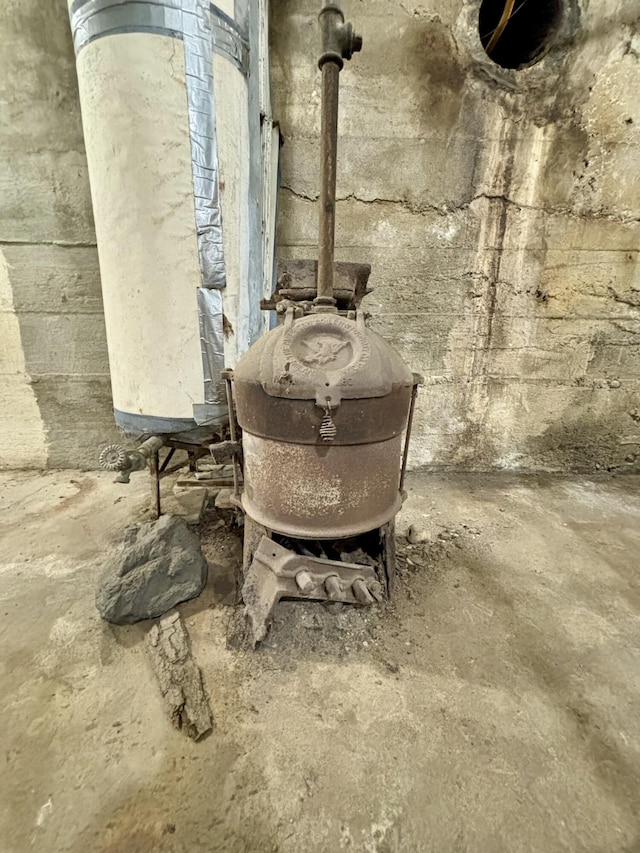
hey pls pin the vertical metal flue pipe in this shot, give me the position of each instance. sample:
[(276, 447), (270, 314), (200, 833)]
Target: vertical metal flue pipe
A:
[(339, 42), (328, 153)]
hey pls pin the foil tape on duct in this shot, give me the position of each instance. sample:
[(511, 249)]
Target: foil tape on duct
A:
[(229, 40), (198, 54), (212, 346), (94, 19), (190, 21)]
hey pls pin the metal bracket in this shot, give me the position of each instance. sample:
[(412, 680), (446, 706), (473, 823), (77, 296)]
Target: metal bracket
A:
[(276, 573)]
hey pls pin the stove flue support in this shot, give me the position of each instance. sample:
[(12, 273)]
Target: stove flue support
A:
[(339, 42)]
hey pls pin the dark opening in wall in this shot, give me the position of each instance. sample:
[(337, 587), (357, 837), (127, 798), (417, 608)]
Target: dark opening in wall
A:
[(516, 32)]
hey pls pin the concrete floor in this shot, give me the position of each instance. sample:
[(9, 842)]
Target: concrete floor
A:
[(492, 707)]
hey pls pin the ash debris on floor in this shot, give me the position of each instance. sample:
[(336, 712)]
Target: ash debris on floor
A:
[(491, 706), (328, 629)]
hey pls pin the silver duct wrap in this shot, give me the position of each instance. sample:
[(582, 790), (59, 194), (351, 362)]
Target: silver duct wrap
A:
[(198, 56)]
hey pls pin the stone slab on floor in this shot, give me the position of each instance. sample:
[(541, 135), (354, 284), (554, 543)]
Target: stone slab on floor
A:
[(492, 707), (161, 564)]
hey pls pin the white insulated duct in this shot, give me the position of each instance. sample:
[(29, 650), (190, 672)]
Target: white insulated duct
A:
[(173, 138)]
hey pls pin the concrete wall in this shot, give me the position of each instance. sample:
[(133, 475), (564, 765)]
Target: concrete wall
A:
[(500, 211), (55, 398)]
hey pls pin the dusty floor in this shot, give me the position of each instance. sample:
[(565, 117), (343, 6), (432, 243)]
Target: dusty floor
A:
[(492, 707)]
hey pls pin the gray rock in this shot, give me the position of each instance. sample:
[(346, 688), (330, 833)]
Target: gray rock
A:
[(161, 564), (417, 535)]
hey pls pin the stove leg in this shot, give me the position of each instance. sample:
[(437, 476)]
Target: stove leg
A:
[(239, 633), (388, 542), (253, 533), (154, 470)]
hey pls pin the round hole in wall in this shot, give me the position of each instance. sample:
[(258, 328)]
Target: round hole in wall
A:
[(515, 32)]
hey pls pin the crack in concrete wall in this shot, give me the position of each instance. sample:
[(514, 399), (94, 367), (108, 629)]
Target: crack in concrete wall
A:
[(413, 207), (62, 244)]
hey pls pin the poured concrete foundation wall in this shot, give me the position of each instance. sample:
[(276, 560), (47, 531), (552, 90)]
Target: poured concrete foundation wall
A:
[(500, 212), (499, 209), (55, 396)]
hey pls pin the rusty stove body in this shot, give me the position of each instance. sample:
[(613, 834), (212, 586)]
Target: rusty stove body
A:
[(323, 403)]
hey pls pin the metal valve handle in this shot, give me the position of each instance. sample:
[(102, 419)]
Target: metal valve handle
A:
[(113, 458)]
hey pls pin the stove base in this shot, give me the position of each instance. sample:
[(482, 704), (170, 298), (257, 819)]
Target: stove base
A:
[(276, 567)]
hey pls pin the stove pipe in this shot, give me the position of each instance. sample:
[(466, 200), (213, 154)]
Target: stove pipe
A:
[(339, 42)]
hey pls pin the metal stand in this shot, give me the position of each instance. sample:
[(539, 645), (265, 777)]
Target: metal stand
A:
[(158, 471)]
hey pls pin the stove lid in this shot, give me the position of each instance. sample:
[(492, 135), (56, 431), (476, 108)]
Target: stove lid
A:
[(328, 358)]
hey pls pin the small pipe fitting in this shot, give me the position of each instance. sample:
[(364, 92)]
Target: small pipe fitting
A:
[(339, 41)]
